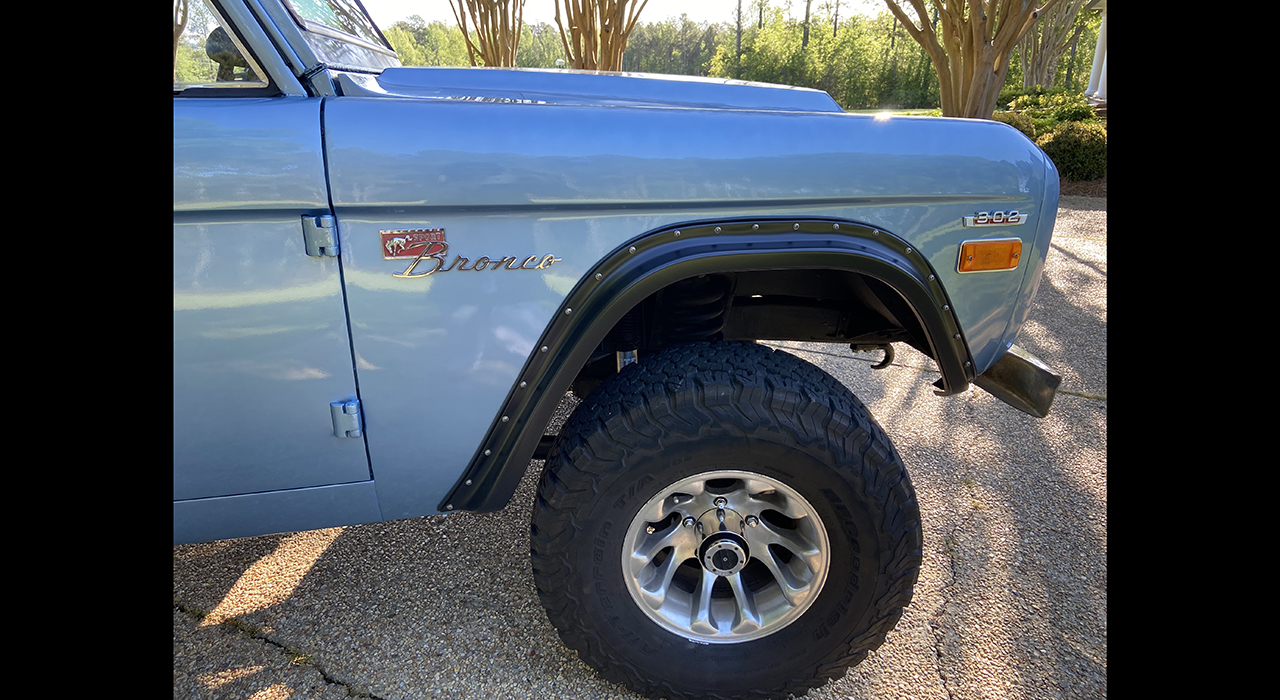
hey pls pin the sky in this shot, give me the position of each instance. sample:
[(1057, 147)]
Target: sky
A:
[(387, 12)]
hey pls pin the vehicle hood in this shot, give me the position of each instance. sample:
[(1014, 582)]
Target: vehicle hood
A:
[(536, 85)]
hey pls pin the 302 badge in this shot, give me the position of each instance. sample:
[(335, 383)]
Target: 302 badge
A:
[(999, 218)]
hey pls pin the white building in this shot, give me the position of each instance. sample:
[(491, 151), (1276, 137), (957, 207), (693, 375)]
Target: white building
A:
[(1097, 90)]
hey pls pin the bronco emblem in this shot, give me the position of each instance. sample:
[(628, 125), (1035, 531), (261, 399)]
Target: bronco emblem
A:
[(408, 244), (428, 244)]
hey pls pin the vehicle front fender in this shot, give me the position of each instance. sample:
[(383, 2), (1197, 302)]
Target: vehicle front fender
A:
[(661, 257)]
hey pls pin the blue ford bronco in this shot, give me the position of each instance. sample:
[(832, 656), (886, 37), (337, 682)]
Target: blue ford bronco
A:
[(387, 278)]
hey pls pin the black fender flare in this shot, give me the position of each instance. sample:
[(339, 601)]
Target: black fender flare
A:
[(660, 257)]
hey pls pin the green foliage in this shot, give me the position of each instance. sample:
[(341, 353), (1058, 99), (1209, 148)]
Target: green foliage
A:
[(540, 46), (862, 63), (434, 43), (1036, 111), (1077, 67), (1010, 92), (194, 66), (1021, 122), (402, 40), (676, 46), (1078, 149), (1060, 106)]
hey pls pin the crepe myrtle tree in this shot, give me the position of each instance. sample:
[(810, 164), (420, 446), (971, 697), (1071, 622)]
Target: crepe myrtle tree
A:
[(594, 32), (970, 43), (497, 26), (1042, 48)]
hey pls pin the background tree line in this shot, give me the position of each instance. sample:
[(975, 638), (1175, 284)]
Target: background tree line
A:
[(862, 62)]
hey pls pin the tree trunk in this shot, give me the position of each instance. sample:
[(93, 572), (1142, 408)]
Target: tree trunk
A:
[(972, 58), (737, 54), (497, 29), (181, 13), (1048, 40), (805, 42), (1071, 64), (597, 31)]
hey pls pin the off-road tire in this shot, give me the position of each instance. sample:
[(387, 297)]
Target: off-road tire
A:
[(695, 409)]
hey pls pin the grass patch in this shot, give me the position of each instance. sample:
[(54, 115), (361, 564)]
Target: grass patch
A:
[(906, 112), (241, 626), (298, 658)]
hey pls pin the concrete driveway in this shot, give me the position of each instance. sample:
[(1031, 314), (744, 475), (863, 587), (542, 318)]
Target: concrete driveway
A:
[(1011, 602)]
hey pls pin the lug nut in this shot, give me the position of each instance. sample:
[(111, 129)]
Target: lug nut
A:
[(688, 522), (721, 502), (752, 520)]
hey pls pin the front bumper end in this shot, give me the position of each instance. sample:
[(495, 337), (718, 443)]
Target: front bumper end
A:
[(1021, 380)]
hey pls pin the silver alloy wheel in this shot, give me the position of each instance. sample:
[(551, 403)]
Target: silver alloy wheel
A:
[(670, 573)]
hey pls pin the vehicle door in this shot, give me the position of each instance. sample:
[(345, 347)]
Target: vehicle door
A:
[(261, 344)]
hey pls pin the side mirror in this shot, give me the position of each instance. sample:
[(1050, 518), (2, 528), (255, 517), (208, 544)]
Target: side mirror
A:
[(221, 50)]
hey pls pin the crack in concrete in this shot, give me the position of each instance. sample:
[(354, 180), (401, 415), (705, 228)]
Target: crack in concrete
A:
[(950, 543), (295, 657)]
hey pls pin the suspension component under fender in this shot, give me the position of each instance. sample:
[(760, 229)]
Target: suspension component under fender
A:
[(888, 352), (694, 309), (627, 337)]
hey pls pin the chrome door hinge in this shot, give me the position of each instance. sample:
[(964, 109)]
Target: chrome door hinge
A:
[(320, 233), (346, 418)]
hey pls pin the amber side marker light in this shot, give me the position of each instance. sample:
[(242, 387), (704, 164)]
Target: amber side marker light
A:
[(982, 256)]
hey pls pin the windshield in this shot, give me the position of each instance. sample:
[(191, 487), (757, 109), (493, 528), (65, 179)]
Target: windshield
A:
[(345, 16)]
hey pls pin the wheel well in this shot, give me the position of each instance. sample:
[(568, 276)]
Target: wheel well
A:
[(815, 305), (811, 280)]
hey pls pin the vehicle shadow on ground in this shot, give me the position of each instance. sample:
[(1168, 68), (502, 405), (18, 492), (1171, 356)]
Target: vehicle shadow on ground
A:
[(1014, 581), (410, 608)]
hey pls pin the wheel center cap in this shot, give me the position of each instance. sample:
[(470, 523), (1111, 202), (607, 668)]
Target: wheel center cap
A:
[(724, 550)]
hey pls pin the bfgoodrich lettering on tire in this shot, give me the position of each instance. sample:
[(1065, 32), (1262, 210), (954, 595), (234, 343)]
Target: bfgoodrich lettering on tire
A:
[(723, 520)]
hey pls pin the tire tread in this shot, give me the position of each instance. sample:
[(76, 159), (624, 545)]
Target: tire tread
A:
[(745, 389)]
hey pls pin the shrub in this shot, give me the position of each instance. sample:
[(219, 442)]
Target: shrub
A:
[(1021, 122), (1078, 149), (1061, 107), (1008, 94)]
